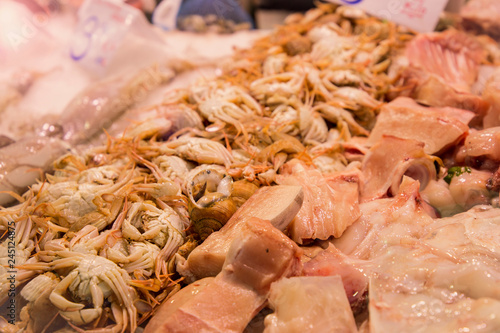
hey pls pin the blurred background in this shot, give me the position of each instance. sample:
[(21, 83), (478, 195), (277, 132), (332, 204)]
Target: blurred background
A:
[(262, 14), (223, 16)]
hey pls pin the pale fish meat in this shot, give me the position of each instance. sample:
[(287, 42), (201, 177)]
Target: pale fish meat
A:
[(459, 288), (330, 202), (309, 304)]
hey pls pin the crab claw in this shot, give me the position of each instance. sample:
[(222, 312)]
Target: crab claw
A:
[(82, 317), (58, 300)]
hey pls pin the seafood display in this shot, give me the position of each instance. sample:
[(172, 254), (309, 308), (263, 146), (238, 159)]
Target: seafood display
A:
[(342, 175), (81, 124)]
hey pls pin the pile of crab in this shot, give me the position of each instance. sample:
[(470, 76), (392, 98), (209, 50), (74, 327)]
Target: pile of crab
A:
[(97, 242)]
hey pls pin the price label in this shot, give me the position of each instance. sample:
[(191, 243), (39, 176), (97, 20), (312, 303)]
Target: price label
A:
[(419, 15), (102, 26)]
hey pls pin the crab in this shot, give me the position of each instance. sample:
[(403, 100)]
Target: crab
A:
[(92, 280)]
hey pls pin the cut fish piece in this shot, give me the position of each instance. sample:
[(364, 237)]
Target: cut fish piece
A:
[(389, 160), (385, 222), (431, 313), (429, 89), (443, 68), (471, 188), (484, 143), (437, 128), (352, 271), (175, 302), (256, 258), (330, 201), (309, 304), (277, 204), (451, 55)]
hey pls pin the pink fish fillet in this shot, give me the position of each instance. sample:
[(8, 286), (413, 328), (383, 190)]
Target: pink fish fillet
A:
[(443, 68), (330, 202), (451, 55), (437, 128), (256, 259)]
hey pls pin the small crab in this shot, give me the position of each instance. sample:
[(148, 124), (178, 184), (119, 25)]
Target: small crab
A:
[(92, 280)]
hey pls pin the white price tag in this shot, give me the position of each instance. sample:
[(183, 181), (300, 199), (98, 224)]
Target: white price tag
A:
[(102, 26), (419, 15)]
